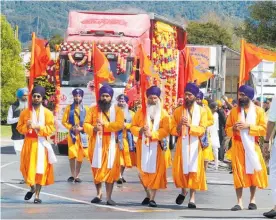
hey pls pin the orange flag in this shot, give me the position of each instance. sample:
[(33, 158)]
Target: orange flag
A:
[(251, 56), (196, 72), (147, 66), (146, 72), (40, 57), (101, 66), (102, 72)]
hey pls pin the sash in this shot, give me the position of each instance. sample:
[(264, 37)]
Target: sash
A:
[(252, 161), (42, 143), (129, 135), (81, 116), (97, 155), (149, 152), (190, 144)]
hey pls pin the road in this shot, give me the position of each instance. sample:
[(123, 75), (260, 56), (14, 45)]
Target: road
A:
[(64, 200)]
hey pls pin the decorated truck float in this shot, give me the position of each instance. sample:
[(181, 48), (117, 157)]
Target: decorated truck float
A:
[(118, 36)]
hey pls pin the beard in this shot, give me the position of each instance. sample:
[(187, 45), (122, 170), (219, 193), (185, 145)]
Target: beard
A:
[(152, 109), (22, 105), (77, 102), (104, 105), (122, 106), (126, 113), (36, 104), (199, 103), (189, 103), (243, 102)]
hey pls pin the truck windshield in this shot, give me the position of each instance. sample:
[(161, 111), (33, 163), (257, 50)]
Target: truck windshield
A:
[(78, 76)]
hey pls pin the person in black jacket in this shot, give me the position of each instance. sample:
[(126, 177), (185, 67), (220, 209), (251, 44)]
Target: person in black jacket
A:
[(222, 122), (13, 115)]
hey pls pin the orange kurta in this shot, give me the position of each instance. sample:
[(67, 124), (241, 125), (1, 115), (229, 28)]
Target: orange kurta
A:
[(241, 179), (192, 180), (28, 155), (208, 151), (156, 180), (127, 159), (104, 174), (74, 150)]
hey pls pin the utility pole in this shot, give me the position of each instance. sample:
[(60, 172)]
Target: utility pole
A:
[(16, 32), (30, 22), (37, 25)]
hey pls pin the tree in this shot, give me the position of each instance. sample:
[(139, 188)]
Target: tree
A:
[(229, 22), (56, 39), (260, 27), (12, 70), (208, 34)]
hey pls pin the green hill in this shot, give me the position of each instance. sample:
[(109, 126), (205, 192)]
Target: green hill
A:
[(48, 18)]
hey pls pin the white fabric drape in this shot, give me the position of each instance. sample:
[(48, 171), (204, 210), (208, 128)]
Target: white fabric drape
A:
[(190, 145), (252, 161)]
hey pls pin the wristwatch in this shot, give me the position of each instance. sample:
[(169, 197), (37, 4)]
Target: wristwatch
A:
[(266, 142)]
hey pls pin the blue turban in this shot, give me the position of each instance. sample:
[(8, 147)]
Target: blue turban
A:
[(106, 89), (122, 96), (261, 99), (78, 92), (247, 90), (21, 92), (200, 95), (153, 90), (192, 88), (40, 90)]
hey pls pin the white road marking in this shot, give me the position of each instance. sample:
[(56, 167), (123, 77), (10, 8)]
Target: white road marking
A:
[(63, 197), (73, 200), (7, 164), (67, 198)]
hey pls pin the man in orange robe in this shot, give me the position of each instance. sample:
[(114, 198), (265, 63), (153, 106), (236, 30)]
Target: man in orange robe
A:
[(244, 125), (37, 156), (152, 132), (73, 120), (125, 139), (207, 150), (188, 124), (102, 122)]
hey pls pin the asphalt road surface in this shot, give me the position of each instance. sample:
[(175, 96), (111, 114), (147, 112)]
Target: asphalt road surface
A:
[(64, 200)]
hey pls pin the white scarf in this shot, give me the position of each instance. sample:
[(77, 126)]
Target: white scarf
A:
[(42, 143), (97, 155), (252, 161), (149, 153), (190, 145), (127, 115), (213, 131)]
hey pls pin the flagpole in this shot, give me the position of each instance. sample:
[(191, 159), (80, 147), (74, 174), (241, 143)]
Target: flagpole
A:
[(242, 65), (96, 81), (31, 75), (262, 84)]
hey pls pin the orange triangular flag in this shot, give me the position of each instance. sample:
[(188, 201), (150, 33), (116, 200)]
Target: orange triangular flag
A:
[(147, 64), (199, 75), (251, 56), (40, 56), (101, 67)]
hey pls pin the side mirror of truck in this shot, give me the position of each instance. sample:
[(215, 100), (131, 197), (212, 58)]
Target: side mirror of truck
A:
[(137, 72)]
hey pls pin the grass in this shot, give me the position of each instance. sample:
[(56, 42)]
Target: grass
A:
[(6, 131)]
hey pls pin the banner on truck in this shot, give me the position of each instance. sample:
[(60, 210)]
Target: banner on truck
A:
[(202, 55)]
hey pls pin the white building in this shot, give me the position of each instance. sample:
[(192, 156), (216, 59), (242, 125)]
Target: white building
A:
[(265, 73)]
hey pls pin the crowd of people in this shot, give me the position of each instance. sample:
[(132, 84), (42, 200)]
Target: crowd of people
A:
[(112, 137)]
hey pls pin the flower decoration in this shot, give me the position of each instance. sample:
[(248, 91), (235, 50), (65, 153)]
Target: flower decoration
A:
[(165, 58)]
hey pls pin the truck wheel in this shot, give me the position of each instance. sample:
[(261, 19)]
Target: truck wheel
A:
[(63, 149)]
